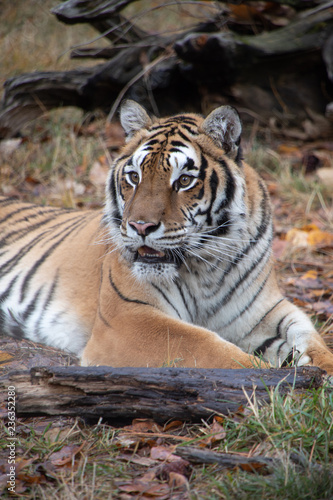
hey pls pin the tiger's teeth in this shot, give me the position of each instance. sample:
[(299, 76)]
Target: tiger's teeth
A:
[(150, 252)]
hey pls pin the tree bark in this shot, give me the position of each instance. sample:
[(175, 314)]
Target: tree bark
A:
[(282, 73), (226, 460), (161, 394)]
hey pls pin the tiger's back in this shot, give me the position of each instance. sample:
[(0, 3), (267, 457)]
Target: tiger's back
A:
[(177, 267), (49, 273)]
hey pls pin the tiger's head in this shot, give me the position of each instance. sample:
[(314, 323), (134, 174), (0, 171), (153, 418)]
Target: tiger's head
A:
[(175, 195)]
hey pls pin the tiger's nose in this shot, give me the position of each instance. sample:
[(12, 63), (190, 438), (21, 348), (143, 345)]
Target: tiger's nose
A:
[(144, 228)]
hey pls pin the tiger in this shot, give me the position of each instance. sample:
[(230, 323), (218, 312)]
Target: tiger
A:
[(176, 269)]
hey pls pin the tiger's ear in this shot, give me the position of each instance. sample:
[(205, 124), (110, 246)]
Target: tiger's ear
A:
[(223, 125), (133, 117)]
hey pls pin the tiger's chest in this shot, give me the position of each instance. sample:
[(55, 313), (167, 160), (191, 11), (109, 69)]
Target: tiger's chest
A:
[(228, 300)]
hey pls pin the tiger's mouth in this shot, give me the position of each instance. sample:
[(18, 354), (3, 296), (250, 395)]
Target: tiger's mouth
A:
[(149, 255)]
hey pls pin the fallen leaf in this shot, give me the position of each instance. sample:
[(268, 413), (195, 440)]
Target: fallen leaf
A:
[(144, 461), (181, 467), (309, 236), (173, 425), (320, 238), (289, 150), (146, 489), (311, 274), (253, 466), (177, 480), (297, 238), (164, 453), (5, 358), (323, 307), (143, 425), (65, 455), (218, 432)]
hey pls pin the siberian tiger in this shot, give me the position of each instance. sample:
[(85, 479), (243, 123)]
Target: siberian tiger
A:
[(177, 267)]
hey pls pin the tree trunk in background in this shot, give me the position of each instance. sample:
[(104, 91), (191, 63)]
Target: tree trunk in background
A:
[(277, 72)]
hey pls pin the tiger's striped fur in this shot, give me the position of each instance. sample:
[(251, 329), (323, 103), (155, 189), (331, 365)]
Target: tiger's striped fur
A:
[(177, 267)]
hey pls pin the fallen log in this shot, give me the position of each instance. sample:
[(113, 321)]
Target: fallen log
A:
[(157, 393), (282, 74), (226, 460)]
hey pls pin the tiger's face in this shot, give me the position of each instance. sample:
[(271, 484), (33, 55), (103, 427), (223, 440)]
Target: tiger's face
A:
[(176, 188)]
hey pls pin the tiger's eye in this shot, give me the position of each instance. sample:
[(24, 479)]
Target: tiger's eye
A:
[(134, 177), (184, 180)]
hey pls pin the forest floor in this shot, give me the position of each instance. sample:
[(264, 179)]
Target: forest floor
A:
[(62, 159)]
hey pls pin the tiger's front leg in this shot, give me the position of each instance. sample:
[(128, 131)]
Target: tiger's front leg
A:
[(294, 336), (149, 338)]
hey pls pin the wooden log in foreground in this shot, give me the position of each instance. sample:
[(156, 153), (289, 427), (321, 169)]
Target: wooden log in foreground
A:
[(158, 393)]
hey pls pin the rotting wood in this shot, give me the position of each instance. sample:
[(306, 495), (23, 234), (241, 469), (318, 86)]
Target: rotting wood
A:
[(225, 460), (282, 75), (158, 393)]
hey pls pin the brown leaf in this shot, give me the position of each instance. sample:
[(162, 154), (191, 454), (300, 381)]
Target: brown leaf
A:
[(65, 455), (164, 453), (143, 425), (253, 466), (177, 480), (173, 425), (5, 358), (320, 238), (323, 307), (181, 467), (145, 488)]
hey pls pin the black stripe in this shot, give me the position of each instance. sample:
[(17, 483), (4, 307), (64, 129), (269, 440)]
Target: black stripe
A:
[(184, 300), (113, 190), (261, 230), (31, 307), (21, 233), (49, 251), (230, 187), (166, 299), (4, 201), (7, 266), (253, 267), (17, 211), (5, 294), (263, 317), (127, 299), (47, 302), (249, 304), (261, 349)]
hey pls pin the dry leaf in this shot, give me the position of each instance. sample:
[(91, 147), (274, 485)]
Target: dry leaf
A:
[(181, 467), (218, 432), (320, 238), (65, 455), (5, 358), (146, 489), (164, 453), (177, 480), (143, 425), (173, 425), (309, 236)]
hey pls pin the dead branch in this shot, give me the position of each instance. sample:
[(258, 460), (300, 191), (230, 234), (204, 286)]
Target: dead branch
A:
[(158, 393)]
